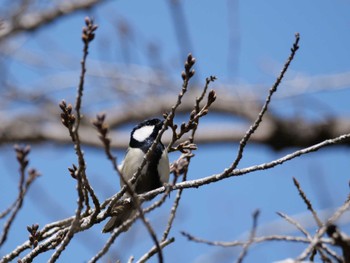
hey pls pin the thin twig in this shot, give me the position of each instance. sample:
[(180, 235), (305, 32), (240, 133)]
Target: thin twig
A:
[(50, 243), (153, 250), (307, 202), (173, 210), (112, 238), (295, 223), (8, 210), (82, 181), (258, 120), (87, 36), (23, 186), (152, 233), (251, 237), (193, 123), (255, 240)]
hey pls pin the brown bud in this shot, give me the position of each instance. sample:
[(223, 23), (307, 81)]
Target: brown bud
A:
[(69, 108), (91, 37), (72, 171), (35, 227), (183, 75), (101, 117), (193, 61), (94, 27), (192, 72), (190, 60), (189, 57), (211, 97), (33, 174), (87, 20), (63, 105), (26, 150)]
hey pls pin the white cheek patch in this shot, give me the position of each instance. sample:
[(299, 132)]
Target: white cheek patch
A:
[(143, 133)]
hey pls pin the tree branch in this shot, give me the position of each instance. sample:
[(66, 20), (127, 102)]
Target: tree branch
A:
[(34, 21)]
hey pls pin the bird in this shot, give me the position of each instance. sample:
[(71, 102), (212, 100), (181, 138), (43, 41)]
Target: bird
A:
[(154, 174)]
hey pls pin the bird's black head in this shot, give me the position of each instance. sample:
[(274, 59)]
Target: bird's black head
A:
[(144, 134)]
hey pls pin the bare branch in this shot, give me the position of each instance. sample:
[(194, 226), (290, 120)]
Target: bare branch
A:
[(251, 238), (295, 223), (30, 21), (255, 240), (238, 172), (307, 202), (23, 186), (154, 250), (83, 184), (258, 120)]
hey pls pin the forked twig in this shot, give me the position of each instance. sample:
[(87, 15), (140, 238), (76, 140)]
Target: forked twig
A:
[(23, 186), (296, 224), (316, 239)]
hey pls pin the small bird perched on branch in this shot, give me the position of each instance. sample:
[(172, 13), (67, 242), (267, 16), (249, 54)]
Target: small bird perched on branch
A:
[(153, 175)]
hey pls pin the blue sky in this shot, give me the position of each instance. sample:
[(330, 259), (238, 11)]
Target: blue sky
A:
[(261, 34)]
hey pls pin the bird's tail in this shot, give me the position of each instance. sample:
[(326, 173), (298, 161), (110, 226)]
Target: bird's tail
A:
[(121, 212)]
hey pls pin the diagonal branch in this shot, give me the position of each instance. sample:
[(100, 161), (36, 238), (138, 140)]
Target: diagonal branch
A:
[(258, 120), (34, 21), (307, 202)]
